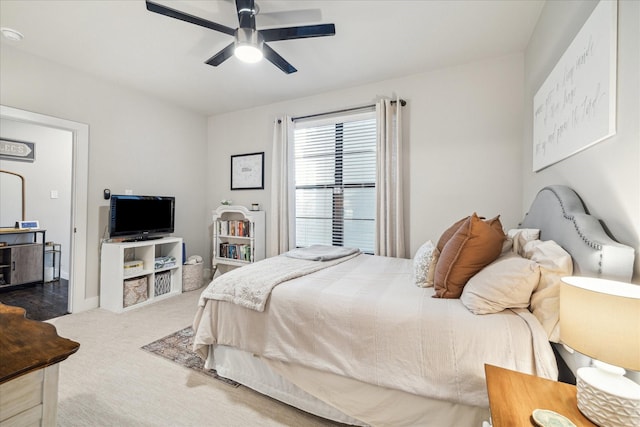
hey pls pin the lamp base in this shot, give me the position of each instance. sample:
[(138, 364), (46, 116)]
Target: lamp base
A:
[(608, 399)]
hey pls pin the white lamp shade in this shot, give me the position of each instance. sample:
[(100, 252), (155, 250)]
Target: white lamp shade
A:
[(601, 319)]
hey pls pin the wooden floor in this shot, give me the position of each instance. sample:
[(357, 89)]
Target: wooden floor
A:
[(41, 301)]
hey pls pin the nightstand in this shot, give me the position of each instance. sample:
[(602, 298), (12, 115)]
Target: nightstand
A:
[(513, 396)]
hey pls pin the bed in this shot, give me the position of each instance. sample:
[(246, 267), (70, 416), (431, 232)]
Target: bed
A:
[(354, 340)]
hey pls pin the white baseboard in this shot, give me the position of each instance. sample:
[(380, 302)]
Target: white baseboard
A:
[(86, 304)]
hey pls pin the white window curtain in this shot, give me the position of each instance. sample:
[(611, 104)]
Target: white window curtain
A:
[(389, 187), (281, 218)]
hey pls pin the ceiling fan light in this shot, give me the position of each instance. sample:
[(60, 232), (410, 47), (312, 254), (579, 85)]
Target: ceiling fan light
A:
[(248, 53), (248, 45)]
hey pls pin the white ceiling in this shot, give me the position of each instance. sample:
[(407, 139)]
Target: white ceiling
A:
[(375, 40)]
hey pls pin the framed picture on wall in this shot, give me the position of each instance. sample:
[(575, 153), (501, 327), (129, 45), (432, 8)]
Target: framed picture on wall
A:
[(247, 171), (575, 108)]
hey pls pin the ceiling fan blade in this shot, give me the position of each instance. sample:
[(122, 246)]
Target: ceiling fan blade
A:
[(246, 13), (301, 32), (288, 17), (221, 56), (172, 13), (277, 60)]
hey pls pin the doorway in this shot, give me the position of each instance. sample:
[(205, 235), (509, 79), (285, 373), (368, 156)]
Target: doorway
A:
[(76, 300)]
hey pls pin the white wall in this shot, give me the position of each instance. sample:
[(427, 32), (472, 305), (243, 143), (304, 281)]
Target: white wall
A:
[(607, 175), (462, 125), (51, 171), (136, 142)]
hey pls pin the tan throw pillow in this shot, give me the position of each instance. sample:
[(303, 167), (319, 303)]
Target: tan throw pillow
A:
[(505, 283), (496, 224), (449, 232), (474, 245)]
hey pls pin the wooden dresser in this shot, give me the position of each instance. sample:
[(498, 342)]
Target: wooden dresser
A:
[(30, 352)]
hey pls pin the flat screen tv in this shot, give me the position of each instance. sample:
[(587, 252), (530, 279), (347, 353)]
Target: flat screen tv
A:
[(141, 217)]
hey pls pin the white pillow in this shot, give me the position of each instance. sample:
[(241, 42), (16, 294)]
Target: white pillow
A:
[(516, 238), (529, 233), (424, 264), (554, 263), (505, 283), (523, 236)]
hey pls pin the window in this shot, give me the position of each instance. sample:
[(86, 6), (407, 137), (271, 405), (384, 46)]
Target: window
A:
[(335, 181)]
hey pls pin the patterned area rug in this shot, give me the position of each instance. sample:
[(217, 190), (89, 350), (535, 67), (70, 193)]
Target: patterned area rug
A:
[(177, 348)]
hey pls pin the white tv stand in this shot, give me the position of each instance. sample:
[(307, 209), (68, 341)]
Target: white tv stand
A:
[(112, 274)]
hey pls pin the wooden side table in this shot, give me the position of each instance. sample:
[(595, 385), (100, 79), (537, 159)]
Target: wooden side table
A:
[(513, 396), (30, 352)]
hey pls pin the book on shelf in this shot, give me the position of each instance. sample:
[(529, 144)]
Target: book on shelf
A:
[(237, 228), (236, 251)]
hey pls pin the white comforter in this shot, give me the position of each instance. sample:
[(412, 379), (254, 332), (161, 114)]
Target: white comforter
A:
[(365, 319)]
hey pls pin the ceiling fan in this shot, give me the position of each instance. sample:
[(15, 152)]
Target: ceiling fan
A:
[(249, 44)]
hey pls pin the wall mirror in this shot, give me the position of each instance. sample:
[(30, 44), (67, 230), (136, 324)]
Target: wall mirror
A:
[(11, 199)]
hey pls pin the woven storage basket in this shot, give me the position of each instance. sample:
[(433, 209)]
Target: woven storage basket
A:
[(192, 276), (163, 283), (135, 291)]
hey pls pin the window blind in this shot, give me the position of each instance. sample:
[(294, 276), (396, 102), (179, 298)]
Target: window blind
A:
[(335, 181)]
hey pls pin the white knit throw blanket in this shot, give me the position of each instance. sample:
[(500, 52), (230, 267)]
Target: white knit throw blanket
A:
[(321, 252), (251, 285)]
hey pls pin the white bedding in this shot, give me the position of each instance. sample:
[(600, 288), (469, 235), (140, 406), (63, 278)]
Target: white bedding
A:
[(364, 319), (339, 398), (251, 285)]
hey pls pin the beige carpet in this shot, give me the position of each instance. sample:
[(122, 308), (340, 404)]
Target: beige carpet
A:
[(111, 381)]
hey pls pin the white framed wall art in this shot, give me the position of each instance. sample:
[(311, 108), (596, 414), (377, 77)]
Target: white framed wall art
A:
[(247, 171), (575, 107)]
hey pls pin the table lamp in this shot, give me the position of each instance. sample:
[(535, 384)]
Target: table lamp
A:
[(601, 319)]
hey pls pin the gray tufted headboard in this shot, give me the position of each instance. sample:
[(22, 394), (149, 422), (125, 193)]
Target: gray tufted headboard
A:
[(561, 216)]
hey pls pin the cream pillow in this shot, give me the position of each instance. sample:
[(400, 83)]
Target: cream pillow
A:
[(505, 283), (554, 263), (522, 236), (424, 263), (518, 237)]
